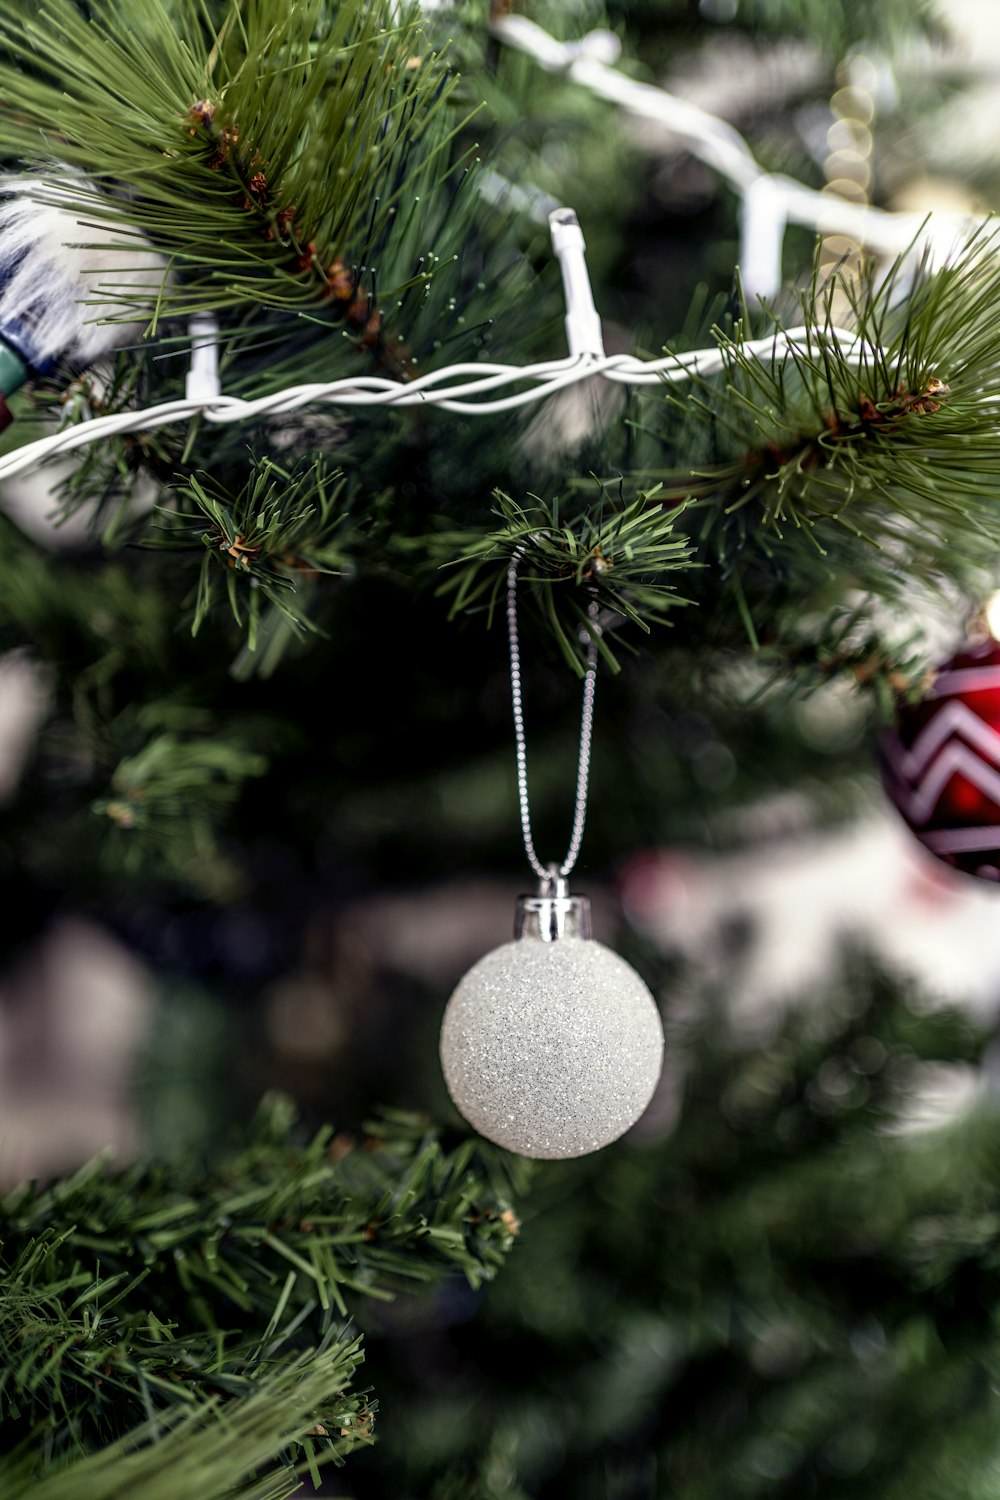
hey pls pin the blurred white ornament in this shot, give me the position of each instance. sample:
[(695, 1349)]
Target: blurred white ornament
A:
[(69, 287), (75, 282)]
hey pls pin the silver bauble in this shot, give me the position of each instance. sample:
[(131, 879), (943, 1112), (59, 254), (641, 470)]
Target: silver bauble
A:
[(552, 1045)]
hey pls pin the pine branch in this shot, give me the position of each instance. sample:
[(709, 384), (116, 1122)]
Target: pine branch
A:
[(271, 542), (168, 794), (212, 136), (158, 1289), (238, 1445), (132, 779), (847, 644), (620, 556), (825, 471)]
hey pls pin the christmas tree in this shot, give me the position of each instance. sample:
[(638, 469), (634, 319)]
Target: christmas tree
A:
[(286, 295)]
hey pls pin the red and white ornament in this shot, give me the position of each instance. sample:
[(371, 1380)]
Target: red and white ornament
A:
[(941, 763)]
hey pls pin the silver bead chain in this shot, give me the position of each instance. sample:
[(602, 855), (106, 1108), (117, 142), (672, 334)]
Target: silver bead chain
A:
[(545, 872)]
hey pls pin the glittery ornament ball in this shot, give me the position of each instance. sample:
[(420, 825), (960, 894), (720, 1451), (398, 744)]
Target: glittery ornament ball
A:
[(941, 763), (551, 1049)]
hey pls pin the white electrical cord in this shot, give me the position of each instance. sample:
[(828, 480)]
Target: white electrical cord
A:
[(441, 388), (769, 200), (464, 388)]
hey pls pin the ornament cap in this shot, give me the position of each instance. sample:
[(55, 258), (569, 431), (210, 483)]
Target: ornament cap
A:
[(552, 913)]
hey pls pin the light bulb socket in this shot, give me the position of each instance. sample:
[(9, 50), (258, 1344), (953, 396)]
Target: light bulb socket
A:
[(552, 913)]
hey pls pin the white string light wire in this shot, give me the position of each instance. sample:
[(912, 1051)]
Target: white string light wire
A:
[(465, 388), (483, 388), (451, 389), (769, 200)]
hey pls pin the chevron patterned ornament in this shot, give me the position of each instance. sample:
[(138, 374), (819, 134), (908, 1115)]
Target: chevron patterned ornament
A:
[(941, 763)]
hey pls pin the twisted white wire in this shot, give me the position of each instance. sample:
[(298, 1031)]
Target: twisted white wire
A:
[(456, 388)]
